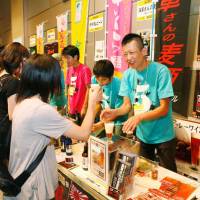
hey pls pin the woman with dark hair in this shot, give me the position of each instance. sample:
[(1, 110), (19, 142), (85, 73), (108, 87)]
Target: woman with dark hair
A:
[(11, 63), (35, 122)]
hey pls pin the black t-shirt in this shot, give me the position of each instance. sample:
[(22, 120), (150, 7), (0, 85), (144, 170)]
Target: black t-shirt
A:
[(8, 87)]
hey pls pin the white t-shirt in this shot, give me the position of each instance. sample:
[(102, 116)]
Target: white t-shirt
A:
[(34, 122)]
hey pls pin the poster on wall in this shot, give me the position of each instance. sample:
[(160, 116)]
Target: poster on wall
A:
[(188, 142), (170, 46), (79, 16), (62, 21), (96, 22), (51, 35), (32, 41), (118, 25), (196, 102), (99, 50), (40, 38), (144, 10)]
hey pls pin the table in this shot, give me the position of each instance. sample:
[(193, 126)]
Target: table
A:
[(86, 184)]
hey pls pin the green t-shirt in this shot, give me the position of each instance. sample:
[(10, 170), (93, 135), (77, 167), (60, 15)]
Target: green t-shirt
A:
[(60, 100), (158, 79)]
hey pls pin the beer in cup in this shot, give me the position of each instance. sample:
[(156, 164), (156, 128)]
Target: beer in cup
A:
[(109, 128)]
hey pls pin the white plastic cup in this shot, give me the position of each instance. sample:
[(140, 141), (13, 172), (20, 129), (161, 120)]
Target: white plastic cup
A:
[(94, 86), (109, 128)]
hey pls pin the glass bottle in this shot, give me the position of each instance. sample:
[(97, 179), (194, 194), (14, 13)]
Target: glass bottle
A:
[(85, 157), (69, 154), (62, 141), (68, 146)]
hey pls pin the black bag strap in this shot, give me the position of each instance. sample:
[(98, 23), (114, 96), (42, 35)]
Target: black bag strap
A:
[(4, 118), (21, 179)]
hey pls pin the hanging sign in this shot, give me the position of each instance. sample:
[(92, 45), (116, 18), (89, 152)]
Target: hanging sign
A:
[(62, 21), (32, 41), (40, 38), (96, 22), (79, 17), (144, 10), (51, 35)]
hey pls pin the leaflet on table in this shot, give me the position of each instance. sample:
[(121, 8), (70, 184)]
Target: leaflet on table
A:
[(170, 189)]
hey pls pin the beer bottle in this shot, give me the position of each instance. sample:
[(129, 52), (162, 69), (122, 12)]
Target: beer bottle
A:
[(62, 141), (85, 157), (69, 154), (68, 145)]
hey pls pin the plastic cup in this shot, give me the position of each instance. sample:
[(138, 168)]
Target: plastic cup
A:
[(94, 86), (109, 128)]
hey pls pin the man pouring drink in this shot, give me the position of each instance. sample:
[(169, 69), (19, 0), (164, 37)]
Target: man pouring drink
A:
[(147, 88)]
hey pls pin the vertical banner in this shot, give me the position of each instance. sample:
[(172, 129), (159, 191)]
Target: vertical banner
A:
[(62, 21), (172, 18), (99, 50), (118, 25), (32, 41), (79, 15), (40, 38)]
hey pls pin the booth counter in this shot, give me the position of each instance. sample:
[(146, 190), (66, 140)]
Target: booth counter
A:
[(75, 182)]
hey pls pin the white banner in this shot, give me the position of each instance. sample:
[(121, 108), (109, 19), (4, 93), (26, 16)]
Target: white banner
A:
[(62, 22), (99, 50)]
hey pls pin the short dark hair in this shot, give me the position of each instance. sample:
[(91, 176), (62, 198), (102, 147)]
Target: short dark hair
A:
[(40, 75), (133, 36), (71, 50), (12, 55), (103, 68)]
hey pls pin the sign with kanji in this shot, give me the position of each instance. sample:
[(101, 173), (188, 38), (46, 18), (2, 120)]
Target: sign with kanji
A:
[(172, 18)]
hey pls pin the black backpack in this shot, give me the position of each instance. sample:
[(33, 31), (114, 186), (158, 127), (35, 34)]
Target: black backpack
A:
[(12, 187)]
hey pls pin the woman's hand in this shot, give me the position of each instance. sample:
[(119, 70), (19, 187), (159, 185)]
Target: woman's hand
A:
[(95, 96)]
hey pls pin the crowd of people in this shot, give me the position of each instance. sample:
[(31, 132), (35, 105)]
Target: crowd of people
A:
[(31, 87)]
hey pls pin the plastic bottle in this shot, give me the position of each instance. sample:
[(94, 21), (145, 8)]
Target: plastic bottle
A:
[(85, 157)]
